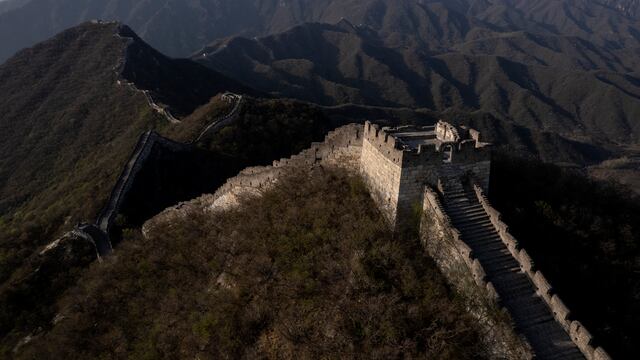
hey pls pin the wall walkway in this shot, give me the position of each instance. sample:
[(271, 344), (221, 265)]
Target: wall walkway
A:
[(516, 292), (560, 314)]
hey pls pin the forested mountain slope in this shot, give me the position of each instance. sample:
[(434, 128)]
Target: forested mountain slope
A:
[(309, 270), (72, 110), (179, 28), (333, 64)]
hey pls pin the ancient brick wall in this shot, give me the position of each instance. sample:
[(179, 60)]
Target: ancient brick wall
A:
[(578, 333), (341, 147), (382, 176), (396, 177), (455, 259)]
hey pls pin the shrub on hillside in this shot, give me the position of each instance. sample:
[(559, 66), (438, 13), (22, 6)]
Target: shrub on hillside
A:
[(309, 270)]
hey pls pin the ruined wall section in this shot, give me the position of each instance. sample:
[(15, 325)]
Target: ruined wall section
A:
[(341, 147), (578, 333), (464, 272)]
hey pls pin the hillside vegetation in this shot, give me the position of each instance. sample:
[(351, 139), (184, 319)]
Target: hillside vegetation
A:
[(64, 140), (309, 270)]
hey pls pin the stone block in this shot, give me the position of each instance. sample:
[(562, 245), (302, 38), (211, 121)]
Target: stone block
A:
[(560, 311), (582, 338), (491, 290), (502, 228), (511, 243), (526, 263), (600, 354), (544, 288), (494, 214), (465, 250)]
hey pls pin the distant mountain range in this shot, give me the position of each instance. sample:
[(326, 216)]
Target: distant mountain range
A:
[(566, 66), (560, 84), (179, 28)]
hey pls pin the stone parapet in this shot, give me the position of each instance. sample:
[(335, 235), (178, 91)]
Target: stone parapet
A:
[(432, 202), (578, 333), (458, 263), (341, 147)]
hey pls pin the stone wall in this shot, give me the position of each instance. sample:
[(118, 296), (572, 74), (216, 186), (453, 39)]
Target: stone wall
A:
[(447, 132), (396, 177), (140, 154), (382, 177), (341, 147), (578, 333), (467, 276)]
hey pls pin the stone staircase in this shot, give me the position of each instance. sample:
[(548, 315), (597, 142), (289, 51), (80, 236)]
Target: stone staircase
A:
[(531, 315)]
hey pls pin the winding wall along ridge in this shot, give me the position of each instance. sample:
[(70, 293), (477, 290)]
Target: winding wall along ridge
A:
[(225, 119), (123, 184), (126, 179), (141, 152)]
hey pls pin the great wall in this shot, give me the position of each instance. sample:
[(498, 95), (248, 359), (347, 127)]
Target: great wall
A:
[(98, 232), (443, 172), (439, 172)]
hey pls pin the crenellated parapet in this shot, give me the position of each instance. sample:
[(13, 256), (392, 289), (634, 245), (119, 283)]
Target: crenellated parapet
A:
[(397, 162), (578, 333), (341, 147), (420, 145)]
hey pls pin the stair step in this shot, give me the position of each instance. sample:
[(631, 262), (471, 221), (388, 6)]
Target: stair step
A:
[(487, 222), (479, 230), (452, 210), (481, 236), (484, 240), (499, 262), (458, 201), (453, 213), (492, 251), (460, 204), (514, 290), (479, 233), (466, 219), (532, 315), (482, 246), (449, 194), (494, 269)]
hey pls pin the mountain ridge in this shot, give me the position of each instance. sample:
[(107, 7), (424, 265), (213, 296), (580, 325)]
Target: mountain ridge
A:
[(351, 67), (434, 24)]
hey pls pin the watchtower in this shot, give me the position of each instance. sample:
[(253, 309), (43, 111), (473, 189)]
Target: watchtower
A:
[(397, 162)]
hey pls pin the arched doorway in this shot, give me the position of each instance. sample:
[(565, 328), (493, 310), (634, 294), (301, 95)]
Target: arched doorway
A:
[(447, 154)]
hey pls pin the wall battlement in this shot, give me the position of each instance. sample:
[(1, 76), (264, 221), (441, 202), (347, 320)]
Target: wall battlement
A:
[(397, 162), (414, 145), (578, 333), (341, 147), (401, 166)]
